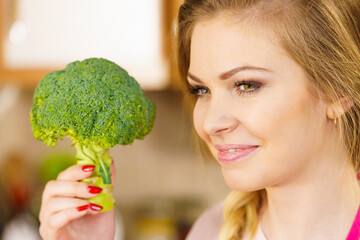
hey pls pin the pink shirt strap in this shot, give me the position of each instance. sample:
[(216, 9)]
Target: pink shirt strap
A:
[(354, 233)]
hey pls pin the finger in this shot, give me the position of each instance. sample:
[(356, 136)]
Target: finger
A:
[(76, 173), (60, 219), (95, 209), (58, 204), (69, 189)]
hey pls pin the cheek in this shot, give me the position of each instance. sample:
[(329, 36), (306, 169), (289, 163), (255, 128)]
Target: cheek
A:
[(198, 119), (292, 121), (279, 111), (280, 123), (273, 118), (289, 127)]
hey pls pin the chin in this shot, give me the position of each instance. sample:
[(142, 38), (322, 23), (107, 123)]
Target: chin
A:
[(242, 183)]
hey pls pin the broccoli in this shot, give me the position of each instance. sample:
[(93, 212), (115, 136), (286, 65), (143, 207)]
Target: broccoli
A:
[(97, 105)]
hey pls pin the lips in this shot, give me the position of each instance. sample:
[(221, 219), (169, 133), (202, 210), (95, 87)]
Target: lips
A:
[(230, 153)]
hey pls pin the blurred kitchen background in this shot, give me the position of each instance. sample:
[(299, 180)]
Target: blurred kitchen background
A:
[(161, 186)]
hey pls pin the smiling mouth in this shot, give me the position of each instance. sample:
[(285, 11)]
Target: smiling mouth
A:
[(231, 153)]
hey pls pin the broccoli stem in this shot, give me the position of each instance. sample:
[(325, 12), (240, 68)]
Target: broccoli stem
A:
[(101, 177)]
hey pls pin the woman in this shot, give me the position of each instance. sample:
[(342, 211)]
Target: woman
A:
[(277, 102)]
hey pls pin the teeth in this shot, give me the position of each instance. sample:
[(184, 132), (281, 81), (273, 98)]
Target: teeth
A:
[(233, 150)]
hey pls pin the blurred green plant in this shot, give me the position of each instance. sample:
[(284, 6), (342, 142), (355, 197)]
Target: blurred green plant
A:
[(54, 163)]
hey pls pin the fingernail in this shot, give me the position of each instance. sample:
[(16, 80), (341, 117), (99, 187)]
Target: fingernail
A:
[(88, 168), (358, 175), (94, 190), (82, 208), (95, 207)]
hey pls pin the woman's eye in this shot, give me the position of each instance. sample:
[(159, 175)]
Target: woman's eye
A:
[(203, 91), (245, 87), (198, 91)]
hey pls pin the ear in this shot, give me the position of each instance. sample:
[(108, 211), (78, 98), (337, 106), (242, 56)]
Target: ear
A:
[(336, 110)]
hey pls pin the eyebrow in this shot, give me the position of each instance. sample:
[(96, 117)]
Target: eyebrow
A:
[(231, 72)]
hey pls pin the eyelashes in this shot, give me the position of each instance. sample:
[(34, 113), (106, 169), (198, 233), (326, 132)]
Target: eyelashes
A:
[(198, 90), (241, 88)]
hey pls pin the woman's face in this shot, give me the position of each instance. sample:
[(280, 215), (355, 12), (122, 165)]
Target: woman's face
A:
[(253, 109)]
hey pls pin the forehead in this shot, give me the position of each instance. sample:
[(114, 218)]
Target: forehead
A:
[(222, 43)]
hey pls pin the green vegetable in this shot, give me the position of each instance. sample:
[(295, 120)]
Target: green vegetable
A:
[(97, 105)]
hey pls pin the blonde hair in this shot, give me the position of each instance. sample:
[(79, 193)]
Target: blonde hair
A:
[(323, 37)]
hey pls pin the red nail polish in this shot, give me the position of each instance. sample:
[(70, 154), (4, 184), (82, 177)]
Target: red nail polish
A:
[(94, 190), (358, 175), (95, 207), (82, 208), (88, 168)]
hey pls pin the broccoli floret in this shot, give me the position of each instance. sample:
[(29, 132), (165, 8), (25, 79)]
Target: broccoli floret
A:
[(97, 105)]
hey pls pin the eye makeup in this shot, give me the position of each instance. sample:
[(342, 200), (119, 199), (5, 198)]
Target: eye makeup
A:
[(247, 87), (241, 88), (198, 90)]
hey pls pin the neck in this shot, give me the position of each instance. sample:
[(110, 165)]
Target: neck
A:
[(321, 204)]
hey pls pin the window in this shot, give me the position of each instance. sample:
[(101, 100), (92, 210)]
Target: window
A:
[(51, 33)]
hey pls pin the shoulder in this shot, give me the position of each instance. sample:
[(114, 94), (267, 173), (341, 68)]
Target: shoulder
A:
[(208, 225)]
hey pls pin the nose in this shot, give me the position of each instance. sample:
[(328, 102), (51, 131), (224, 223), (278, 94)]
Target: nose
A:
[(219, 119)]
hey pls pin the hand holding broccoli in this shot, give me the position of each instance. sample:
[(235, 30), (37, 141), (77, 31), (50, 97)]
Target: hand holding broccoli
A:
[(65, 212)]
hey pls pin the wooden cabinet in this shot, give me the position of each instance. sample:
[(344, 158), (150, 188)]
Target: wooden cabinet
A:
[(40, 36)]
